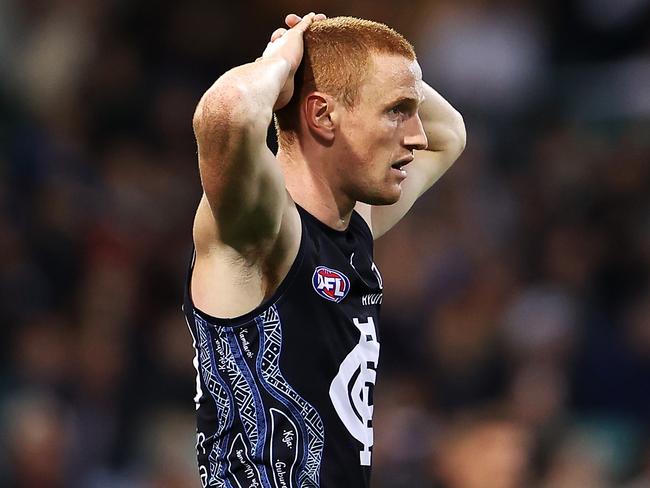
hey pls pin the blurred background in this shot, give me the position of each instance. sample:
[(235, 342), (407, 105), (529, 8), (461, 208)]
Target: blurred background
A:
[(516, 319)]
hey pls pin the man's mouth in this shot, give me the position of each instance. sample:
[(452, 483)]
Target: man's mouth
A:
[(399, 165)]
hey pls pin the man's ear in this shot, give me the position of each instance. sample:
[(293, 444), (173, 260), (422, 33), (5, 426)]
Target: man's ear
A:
[(320, 117)]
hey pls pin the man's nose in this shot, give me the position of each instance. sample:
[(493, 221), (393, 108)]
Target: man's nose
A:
[(415, 137)]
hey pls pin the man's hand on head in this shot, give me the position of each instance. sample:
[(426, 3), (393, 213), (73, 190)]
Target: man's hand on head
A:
[(287, 44), (291, 21)]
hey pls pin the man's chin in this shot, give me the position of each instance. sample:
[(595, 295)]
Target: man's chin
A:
[(387, 198)]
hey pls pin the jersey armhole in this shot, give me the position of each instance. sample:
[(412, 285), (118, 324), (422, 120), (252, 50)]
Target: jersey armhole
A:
[(249, 316)]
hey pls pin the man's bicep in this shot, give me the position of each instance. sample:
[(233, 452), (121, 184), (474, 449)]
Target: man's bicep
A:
[(423, 172)]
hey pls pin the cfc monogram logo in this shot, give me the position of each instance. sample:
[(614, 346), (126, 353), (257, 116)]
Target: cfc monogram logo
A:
[(351, 389)]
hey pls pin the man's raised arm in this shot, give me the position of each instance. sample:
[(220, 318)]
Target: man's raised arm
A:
[(446, 136), (242, 182)]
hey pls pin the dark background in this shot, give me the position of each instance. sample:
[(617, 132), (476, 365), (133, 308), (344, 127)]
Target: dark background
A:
[(516, 331)]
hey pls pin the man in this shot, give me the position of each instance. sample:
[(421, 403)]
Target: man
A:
[(283, 296)]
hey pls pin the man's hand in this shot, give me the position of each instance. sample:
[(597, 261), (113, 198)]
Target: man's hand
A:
[(287, 44), (292, 20)]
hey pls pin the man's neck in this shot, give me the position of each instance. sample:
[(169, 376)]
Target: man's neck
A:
[(309, 187)]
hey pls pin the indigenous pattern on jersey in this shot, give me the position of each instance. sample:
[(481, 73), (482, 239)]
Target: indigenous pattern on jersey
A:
[(284, 393)]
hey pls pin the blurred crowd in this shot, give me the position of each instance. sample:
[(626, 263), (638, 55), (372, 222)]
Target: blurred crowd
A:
[(516, 317)]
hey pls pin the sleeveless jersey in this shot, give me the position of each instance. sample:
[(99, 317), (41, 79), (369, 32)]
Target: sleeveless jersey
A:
[(284, 393)]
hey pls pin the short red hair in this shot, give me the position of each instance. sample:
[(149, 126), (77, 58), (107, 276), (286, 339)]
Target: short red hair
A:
[(337, 56)]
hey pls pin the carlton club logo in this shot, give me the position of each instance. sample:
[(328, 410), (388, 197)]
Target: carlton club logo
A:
[(351, 390), (331, 284)]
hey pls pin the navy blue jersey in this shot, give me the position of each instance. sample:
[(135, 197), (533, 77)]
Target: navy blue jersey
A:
[(284, 393)]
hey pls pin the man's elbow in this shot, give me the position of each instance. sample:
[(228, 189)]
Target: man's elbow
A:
[(450, 139), (225, 106), (458, 138)]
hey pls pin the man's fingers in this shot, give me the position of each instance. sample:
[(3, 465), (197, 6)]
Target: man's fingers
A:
[(292, 19), (278, 33), (305, 22), (297, 23)]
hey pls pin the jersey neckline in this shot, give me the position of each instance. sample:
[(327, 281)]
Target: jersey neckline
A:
[(323, 225)]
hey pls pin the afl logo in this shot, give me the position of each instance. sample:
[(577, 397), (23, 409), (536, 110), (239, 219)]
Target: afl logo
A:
[(332, 285)]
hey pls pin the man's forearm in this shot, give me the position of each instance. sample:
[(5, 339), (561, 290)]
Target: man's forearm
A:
[(443, 124)]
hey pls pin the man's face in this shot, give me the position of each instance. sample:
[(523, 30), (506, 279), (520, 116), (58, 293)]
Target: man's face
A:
[(379, 134)]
